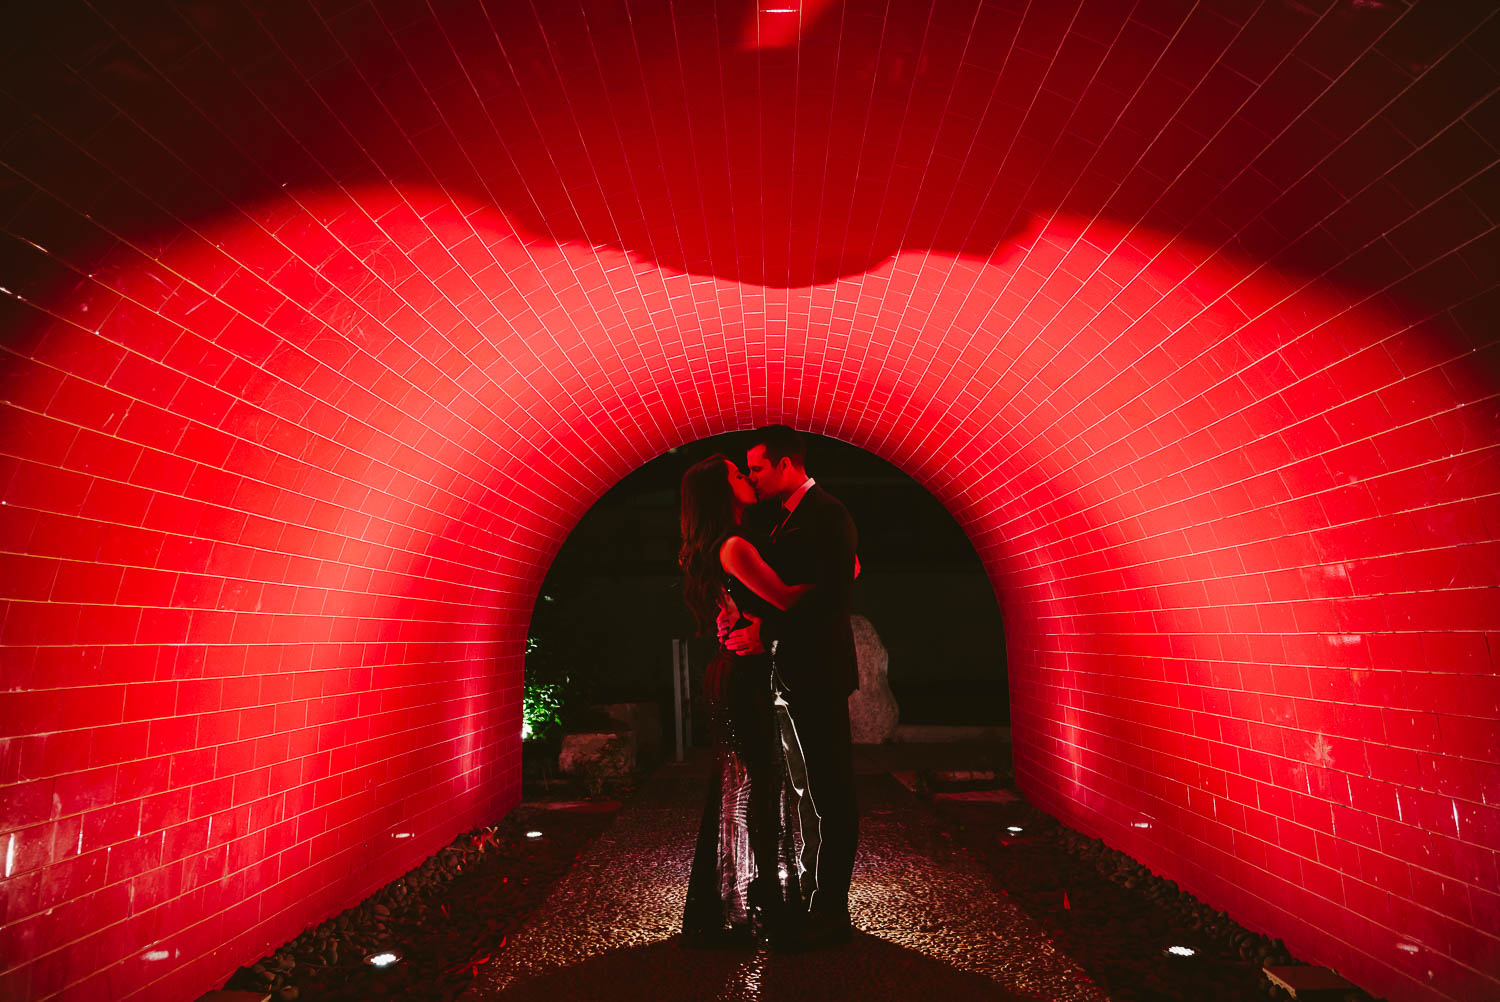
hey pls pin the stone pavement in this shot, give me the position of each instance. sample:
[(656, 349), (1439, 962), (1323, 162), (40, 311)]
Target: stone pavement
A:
[(929, 922)]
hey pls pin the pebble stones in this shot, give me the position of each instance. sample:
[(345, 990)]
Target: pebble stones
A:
[(446, 917), (1113, 914)]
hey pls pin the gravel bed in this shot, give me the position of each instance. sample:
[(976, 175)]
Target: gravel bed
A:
[(1111, 914), (448, 917), (454, 915)]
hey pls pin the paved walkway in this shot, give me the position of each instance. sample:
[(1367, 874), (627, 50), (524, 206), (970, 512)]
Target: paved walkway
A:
[(930, 924)]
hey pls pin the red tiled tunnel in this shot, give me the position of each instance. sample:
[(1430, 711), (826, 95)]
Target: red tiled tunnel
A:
[(324, 323)]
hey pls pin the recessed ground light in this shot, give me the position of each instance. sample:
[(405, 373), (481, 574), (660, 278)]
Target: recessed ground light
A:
[(385, 958), (1015, 829), (533, 834), (1181, 951)]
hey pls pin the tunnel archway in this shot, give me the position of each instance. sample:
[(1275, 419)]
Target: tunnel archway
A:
[(322, 327), (611, 602)]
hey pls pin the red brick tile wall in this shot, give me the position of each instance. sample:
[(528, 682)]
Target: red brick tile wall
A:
[(323, 324)]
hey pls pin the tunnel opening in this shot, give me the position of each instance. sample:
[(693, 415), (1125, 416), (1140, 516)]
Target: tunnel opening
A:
[(610, 607)]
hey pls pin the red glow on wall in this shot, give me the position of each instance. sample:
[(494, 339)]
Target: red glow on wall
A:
[(323, 326)]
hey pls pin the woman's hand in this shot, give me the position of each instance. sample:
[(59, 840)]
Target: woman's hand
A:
[(729, 614)]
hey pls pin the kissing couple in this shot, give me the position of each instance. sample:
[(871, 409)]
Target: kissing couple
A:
[(769, 562)]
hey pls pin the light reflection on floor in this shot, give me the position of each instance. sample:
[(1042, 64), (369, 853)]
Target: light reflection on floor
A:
[(929, 925)]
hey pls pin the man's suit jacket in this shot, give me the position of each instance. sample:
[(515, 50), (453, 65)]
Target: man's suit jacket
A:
[(815, 644)]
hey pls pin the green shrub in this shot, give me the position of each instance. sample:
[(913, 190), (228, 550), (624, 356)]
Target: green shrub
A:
[(559, 685), (543, 694)]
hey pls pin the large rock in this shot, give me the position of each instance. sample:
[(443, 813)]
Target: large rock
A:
[(644, 722), (603, 753), (873, 713)]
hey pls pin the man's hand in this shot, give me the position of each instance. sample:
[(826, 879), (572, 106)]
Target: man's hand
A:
[(745, 640)]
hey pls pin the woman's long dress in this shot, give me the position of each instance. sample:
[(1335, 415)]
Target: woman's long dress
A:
[(744, 840)]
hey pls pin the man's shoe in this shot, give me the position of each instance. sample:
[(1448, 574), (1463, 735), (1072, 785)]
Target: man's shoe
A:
[(769, 915), (820, 931), (735, 937)]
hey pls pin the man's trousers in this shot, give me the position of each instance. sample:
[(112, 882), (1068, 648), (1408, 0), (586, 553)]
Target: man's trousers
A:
[(814, 730)]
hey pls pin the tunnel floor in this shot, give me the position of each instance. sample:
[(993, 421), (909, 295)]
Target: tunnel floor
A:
[(962, 890), (929, 920)]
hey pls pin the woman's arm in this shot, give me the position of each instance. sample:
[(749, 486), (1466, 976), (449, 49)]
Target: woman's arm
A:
[(740, 558)]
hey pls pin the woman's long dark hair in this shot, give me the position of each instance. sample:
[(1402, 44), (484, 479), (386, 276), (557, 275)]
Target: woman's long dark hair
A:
[(707, 518)]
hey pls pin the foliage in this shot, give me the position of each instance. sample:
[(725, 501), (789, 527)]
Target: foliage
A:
[(542, 697), (558, 683)]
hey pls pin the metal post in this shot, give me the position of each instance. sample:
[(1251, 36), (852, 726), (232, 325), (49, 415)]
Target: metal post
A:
[(687, 698), (677, 691)]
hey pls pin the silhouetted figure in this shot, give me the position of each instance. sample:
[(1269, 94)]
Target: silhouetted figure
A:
[(814, 669), (739, 886)]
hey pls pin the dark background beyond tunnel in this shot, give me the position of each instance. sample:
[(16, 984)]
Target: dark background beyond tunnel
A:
[(614, 599)]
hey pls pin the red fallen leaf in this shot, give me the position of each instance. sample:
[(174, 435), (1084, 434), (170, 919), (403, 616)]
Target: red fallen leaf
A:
[(472, 965), (1066, 905)]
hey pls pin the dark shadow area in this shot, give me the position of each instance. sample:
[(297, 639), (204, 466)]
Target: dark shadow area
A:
[(1111, 915), (866, 968), (612, 600), (669, 134)]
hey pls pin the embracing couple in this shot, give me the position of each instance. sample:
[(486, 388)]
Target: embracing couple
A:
[(769, 563)]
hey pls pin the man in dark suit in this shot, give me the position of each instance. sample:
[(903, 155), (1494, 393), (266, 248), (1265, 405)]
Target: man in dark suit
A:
[(815, 669)]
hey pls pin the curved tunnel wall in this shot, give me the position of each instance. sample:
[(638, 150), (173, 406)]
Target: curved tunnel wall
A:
[(323, 327)]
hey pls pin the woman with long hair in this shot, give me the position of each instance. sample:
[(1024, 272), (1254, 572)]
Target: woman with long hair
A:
[(738, 885)]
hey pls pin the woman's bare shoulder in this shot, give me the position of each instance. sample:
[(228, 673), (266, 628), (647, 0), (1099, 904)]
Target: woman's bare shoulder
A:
[(735, 545)]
